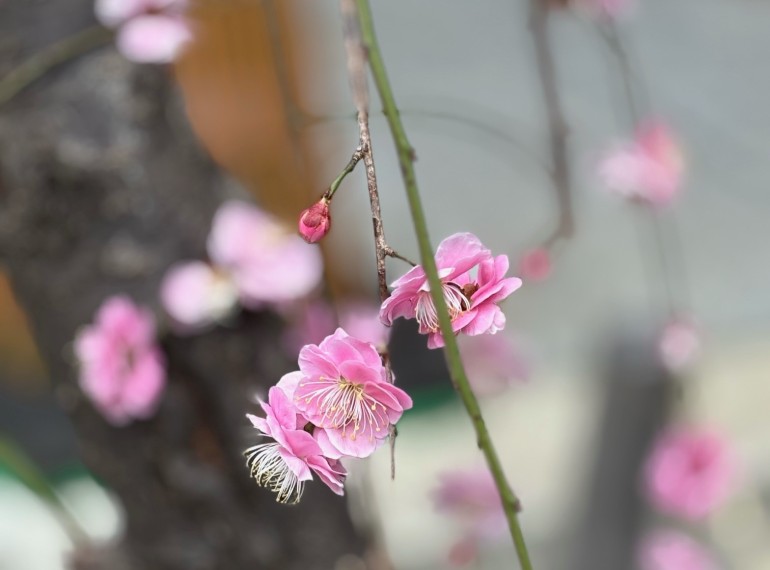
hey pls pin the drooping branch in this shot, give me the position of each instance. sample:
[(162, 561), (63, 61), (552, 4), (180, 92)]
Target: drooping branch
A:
[(557, 124), (406, 156)]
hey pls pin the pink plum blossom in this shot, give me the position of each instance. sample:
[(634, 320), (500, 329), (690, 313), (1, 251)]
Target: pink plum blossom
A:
[(472, 300), (679, 344), (195, 294), (535, 264), (649, 168), (690, 472), (493, 363), (148, 31), (472, 499), (344, 390), (285, 464), (267, 262), (673, 550), (315, 222), (121, 368)]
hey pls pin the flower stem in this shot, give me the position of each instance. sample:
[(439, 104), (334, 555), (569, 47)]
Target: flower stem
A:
[(349, 167), (406, 159), (37, 65)]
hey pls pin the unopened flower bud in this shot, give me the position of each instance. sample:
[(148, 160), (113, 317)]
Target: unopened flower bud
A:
[(315, 222)]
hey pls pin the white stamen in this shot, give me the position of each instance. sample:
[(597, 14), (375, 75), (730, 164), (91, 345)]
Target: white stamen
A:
[(425, 310), (270, 470), (343, 402)]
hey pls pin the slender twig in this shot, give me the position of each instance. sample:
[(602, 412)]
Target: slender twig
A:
[(36, 66), (632, 83), (356, 63), (557, 124), (406, 159), (358, 154)]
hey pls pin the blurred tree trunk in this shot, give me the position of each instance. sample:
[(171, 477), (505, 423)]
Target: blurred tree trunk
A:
[(102, 187)]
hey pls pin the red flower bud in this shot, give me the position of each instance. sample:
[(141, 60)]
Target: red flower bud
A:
[(315, 222)]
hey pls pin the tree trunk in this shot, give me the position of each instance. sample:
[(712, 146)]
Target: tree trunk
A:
[(102, 187)]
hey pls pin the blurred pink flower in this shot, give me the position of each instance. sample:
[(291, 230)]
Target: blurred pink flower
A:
[(649, 169), (267, 262), (689, 472), (195, 294), (121, 368), (679, 344), (673, 550), (472, 301), (471, 498), (345, 392), (285, 464), (535, 264), (361, 320), (148, 31), (315, 222), (493, 363)]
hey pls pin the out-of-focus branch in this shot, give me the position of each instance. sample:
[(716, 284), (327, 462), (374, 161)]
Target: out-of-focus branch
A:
[(557, 124), (406, 156), (41, 63)]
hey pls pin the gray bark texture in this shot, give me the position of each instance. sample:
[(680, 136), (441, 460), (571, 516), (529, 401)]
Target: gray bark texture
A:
[(102, 187)]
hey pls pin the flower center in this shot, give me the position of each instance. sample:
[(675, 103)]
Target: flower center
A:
[(270, 470), (344, 403), (457, 300)]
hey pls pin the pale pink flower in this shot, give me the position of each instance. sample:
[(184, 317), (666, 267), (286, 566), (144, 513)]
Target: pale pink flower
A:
[(535, 264), (315, 222), (362, 321), (285, 464), (493, 363), (471, 498), (148, 31), (196, 294), (267, 262), (679, 344), (344, 390), (673, 550), (472, 300), (649, 168), (121, 368), (689, 472)]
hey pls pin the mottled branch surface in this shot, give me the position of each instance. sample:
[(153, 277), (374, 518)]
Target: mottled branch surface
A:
[(102, 187)]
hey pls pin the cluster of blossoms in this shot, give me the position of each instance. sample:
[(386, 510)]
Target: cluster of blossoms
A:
[(148, 31), (689, 474), (339, 404), (254, 261)]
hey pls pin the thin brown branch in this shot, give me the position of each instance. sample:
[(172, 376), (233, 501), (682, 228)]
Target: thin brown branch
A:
[(356, 64), (557, 124)]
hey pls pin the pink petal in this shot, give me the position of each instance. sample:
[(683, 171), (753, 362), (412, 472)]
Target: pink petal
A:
[(153, 38), (288, 383), (111, 13), (195, 295)]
